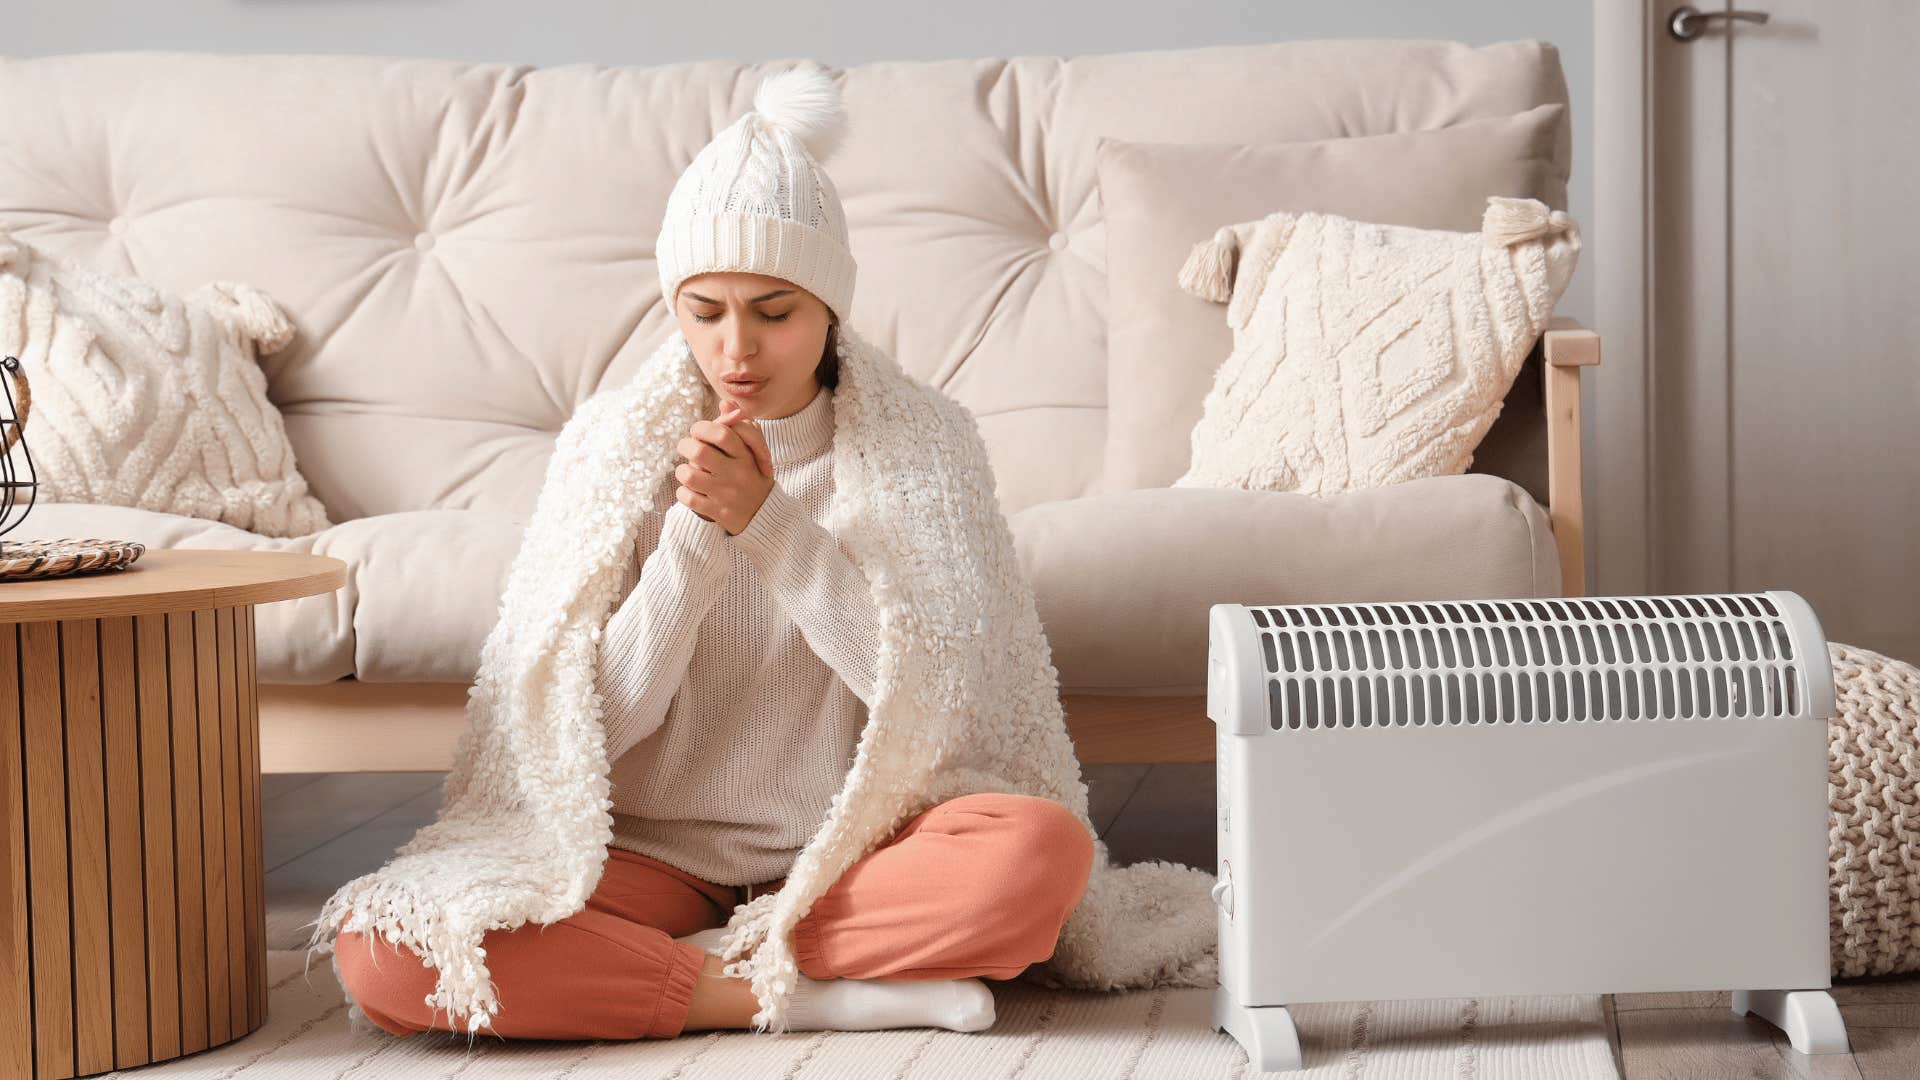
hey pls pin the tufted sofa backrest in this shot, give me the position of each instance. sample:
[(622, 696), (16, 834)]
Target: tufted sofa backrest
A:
[(466, 249)]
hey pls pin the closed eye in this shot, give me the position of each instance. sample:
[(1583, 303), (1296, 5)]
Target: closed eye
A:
[(697, 317)]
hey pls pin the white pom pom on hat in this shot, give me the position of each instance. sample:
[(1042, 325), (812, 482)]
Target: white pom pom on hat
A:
[(755, 199), (805, 101)]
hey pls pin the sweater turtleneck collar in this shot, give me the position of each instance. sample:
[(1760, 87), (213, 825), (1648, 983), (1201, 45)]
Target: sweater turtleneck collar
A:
[(804, 434)]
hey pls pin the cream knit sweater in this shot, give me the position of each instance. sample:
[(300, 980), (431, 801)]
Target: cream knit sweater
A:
[(759, 650)]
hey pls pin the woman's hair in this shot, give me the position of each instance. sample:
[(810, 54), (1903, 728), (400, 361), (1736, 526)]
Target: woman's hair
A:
[(828, 372)]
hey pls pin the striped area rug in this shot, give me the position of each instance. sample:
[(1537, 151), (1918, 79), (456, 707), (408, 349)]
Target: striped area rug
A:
[(1039, 1034)]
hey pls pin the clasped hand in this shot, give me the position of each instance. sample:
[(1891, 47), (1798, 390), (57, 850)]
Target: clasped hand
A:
[(728, 471)]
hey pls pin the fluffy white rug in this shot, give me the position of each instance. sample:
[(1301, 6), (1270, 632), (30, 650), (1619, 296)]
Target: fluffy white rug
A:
[(1039, 1035)]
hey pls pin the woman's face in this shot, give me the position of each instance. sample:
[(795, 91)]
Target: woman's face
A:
[(751, 326)]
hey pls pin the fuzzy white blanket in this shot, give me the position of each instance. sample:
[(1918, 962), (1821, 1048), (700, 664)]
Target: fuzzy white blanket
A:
[(967, 700)]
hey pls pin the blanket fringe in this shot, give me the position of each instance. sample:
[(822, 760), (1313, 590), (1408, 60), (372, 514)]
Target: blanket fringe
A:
[(407, 923), (753, 954)]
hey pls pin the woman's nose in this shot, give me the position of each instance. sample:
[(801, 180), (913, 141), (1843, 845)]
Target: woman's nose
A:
[(737, 343)]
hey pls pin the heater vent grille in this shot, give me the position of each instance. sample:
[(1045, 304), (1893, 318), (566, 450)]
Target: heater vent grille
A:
[(1724, 656)]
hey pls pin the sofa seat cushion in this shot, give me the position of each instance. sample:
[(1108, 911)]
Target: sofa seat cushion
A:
[(1124, 581), (422, 593)]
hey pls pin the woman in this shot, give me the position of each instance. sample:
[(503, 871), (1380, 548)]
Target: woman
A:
[(758, 635)]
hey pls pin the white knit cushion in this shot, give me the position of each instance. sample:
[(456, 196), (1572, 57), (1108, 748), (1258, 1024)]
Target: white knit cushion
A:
[(148, 400), (1873, 795), (1163, 346), (1368, 354)]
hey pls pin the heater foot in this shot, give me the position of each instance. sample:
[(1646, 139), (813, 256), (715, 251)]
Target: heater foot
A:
[(1265, 1032), (1810, 1018)]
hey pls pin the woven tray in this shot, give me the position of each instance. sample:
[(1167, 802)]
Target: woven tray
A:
[(32, 560)]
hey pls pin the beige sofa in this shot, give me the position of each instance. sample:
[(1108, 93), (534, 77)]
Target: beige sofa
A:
[(466, 251)]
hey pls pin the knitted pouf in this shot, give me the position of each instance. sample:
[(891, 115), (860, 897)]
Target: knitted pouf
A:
[(1873, 839)]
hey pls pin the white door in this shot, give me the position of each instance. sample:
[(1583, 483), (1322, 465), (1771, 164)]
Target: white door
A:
[(1774, 355)]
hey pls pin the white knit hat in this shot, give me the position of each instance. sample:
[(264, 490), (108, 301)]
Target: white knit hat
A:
[(755, 199)]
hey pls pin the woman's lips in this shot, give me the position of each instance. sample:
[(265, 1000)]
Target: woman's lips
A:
[(746, 388)]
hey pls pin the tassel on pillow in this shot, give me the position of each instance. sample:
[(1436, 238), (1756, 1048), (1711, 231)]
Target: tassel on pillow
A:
[(248, 311), (1208, 271), (1509, 221), (1231, 267)]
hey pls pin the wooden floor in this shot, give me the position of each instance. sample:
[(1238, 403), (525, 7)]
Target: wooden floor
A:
[(323, 829)]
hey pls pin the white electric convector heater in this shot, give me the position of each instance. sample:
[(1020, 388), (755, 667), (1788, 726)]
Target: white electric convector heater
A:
[(1526, 796)]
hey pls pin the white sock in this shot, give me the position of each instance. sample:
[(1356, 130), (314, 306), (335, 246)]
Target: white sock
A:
[(707, 939), (871, 1004)]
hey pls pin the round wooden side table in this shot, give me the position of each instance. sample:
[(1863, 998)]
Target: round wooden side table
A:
[(132, 921)]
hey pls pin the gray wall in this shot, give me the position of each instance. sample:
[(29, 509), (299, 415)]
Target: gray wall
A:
[(836, 32)]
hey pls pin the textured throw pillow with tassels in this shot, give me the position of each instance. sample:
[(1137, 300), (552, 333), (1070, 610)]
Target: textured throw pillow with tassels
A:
[(149, 400), (1368, 354)]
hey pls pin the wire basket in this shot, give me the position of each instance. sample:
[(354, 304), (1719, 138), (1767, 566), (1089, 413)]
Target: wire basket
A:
[(29, 560)]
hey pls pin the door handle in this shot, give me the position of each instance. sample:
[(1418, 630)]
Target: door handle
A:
[(1689, 22)]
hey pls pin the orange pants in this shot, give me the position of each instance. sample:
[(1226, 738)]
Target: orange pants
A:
[(976, 886)]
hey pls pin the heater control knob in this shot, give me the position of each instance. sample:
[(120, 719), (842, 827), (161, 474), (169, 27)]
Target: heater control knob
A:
[(1223, 889)]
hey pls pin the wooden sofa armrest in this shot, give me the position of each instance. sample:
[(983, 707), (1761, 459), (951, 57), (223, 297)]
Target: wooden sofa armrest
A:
[(1568, 347)]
